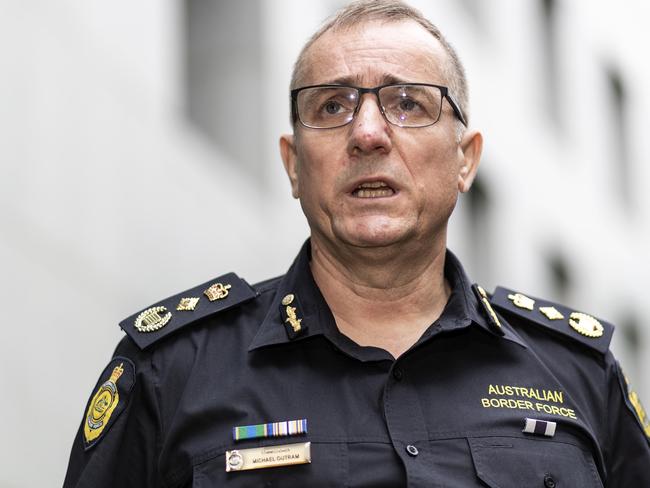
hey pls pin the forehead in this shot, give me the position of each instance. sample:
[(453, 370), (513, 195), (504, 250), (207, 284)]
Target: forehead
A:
[(376, 52)]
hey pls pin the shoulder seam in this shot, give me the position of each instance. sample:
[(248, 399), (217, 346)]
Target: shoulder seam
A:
[(267, 285)]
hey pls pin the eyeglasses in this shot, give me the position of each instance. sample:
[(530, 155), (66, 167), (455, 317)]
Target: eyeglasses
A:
[(402, 104)]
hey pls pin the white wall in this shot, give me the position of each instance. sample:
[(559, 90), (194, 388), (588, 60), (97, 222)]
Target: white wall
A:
[(110, 200)]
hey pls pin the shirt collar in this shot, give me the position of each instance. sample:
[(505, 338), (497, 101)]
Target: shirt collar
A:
[(464, 306), (462, 310), (298, 282)]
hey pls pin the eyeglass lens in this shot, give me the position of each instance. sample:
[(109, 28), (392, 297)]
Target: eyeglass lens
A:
[(403, 105)]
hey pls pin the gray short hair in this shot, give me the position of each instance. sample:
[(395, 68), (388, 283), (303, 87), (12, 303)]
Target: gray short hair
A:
[(389, 11)]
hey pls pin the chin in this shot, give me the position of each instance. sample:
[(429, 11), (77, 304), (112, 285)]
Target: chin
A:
[(370, 233)]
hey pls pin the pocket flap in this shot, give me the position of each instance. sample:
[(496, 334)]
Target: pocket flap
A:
[(511, 462)]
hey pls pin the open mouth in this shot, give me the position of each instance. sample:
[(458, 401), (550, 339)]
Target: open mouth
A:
[(373, 189)]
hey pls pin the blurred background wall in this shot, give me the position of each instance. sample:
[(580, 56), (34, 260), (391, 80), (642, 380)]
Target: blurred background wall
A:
[(138, 149)]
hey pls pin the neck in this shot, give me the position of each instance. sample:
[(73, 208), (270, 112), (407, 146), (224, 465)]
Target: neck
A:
[(383, 297)]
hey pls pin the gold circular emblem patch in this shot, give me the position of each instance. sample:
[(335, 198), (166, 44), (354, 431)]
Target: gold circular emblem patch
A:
[(586, 325), (288, 299)]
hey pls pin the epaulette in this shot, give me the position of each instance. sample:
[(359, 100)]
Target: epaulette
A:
[(590, 331), (172, 314)]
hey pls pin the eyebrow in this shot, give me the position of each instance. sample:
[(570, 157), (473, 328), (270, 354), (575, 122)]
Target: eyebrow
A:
[(386, 79)]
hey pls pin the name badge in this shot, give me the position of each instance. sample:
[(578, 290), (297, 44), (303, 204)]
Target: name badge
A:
[(268, 457)]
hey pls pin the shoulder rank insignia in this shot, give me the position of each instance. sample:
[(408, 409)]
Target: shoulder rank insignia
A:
[(633, 403), (522, 301), (108, 402), (584, 328), (167, 316)]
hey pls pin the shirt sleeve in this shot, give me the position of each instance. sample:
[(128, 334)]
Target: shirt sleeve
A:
[(627, 454), (119, 446)]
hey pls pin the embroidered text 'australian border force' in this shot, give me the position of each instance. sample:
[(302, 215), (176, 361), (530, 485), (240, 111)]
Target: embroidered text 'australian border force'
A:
[(532, 399)]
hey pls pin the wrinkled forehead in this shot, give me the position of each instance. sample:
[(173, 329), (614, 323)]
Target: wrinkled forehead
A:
[(375, 52)]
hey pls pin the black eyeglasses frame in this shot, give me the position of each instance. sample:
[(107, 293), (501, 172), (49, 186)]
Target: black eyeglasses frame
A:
[(444, 91)]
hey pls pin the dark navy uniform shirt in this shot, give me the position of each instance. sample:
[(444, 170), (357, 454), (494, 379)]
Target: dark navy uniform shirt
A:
[(450, 412)]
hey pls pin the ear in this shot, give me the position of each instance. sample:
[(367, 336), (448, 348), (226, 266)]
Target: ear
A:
[(471, 146), (290, 160)]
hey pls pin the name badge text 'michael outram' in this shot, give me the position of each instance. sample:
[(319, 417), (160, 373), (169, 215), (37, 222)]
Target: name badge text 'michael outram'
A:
[(268, 457)]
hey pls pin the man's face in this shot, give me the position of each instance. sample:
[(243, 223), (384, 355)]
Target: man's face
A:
[(370, 183)]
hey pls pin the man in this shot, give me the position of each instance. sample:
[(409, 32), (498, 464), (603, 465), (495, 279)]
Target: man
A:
[(374, 361)]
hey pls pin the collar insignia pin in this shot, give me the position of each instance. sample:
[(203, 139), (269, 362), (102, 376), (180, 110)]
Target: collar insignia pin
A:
[(290, 310), (494, 318), (293, 321)]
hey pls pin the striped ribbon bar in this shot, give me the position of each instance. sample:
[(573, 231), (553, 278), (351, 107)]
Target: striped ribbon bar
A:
[(273, 429), (539, 427)]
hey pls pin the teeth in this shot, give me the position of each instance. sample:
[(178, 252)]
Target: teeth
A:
[(374, 193), (373, 184), (373, 189)]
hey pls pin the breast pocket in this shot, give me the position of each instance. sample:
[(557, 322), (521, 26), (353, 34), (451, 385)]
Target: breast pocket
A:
[(508, 462), (328, 467)]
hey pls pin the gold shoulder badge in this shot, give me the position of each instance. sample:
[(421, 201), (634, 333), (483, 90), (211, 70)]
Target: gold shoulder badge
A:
[(634, 403), (640, 412), (106, 404)]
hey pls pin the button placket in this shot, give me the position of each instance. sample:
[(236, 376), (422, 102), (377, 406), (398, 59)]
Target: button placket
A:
[(406, 424)]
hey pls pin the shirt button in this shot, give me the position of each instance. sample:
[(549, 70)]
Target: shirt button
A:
[(549, 482), (413, 451), (398, 374)]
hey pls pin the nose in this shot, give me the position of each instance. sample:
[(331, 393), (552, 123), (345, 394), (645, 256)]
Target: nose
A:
[(369, 131)]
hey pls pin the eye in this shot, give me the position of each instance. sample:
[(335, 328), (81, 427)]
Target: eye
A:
[(332, 107), (407, 104)]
